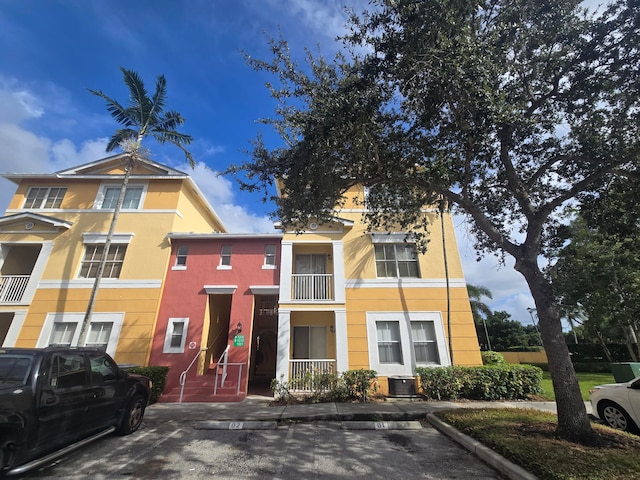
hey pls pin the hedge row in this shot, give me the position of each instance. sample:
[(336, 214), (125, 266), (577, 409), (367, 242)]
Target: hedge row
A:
[(157, 375), (490, 382)]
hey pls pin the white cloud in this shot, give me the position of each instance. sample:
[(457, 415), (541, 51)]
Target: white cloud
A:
[(219, 192), (65, 154), (509, 288)]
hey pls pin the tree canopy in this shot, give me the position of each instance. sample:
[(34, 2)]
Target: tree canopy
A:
[(598, 271), (506, 109)]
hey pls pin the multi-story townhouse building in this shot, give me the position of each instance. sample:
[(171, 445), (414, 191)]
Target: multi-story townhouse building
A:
[(335, 297), (51, 239), (352, 299), (217, 324)]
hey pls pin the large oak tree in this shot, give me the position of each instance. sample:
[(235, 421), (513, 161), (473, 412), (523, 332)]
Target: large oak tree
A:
[(505, 109)]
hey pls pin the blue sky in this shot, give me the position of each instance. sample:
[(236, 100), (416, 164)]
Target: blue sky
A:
[(53, 50)]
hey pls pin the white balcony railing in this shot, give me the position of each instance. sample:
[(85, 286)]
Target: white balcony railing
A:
[(12, 288), (304, 375), (315, 286)]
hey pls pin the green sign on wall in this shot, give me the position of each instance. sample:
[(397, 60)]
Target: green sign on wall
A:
[(238, 341)]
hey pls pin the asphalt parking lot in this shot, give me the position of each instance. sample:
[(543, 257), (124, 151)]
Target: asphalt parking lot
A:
[(169, 446)]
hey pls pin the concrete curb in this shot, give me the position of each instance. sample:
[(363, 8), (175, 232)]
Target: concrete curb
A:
[(497, 461)]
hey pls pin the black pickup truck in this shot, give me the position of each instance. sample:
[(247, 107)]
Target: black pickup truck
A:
[(55, 399)]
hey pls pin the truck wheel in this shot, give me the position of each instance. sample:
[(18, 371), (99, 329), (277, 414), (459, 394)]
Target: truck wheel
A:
[(7, 447), (132, 418)]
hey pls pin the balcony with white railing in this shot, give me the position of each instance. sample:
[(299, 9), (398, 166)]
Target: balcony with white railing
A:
[(12, 288), (312, 286), (304, 375)]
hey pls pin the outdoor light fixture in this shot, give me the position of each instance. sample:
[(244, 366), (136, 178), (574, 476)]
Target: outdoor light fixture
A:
[(239, 327)]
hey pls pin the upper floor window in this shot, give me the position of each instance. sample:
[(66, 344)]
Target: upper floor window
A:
[(181, 256), (132, 197), (225, 257), (108, 196), (44, 197), (396, 260), (270, 256), (92, 256)]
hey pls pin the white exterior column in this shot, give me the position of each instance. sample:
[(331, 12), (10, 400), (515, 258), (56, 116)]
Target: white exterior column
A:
[(284, 338), (286, 270), (342, 345), (338, 271)]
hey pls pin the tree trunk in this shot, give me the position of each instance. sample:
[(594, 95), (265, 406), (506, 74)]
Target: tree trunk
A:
[(605, 349), (84, 330), (573, 422)]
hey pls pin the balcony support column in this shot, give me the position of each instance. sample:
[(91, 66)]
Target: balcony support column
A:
[(284, 339), (342, 346), (286, 270), (338, 271)]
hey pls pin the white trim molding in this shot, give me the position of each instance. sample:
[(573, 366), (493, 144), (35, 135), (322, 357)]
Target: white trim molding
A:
[(405, 283), (265, 289), (94, 238), (404, 319), (220, 289)]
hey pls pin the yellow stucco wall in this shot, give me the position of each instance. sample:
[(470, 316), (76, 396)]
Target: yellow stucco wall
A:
[(359, 265), (169, 205)]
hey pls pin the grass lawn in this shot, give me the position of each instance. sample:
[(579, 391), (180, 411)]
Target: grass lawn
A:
[(526, 437), (586, 380)]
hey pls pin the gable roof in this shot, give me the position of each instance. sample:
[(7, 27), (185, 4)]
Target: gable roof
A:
[(104, 168), (29, 217)]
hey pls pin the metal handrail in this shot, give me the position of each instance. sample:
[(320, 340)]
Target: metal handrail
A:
[(183, 375), (225, 366)]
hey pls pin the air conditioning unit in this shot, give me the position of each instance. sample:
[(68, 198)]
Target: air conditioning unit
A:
[(402, 386)]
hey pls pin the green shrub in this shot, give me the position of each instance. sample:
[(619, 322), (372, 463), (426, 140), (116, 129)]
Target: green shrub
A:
[(543, 366), (158, 377), (492, 358), (325, 387), (492, 382), (359, 383), (592, 367)]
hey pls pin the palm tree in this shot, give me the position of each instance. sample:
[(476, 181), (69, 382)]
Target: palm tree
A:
[(144, 116), (479, 309)]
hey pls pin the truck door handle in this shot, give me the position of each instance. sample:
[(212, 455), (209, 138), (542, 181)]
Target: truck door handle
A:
[(50, 401)]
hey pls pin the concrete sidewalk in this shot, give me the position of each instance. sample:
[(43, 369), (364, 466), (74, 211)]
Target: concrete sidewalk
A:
[(259, 408), (257, 413)]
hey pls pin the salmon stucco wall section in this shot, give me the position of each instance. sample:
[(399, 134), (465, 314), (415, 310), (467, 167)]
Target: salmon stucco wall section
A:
[(213, 299)]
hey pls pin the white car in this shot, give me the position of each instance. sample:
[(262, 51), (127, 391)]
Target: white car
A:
[(618, 404)]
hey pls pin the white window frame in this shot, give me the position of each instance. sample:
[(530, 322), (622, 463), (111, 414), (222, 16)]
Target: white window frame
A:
[(169, 335), (112, 247), (408, 354), (223, 256), (179, 265), (395, 253), (99, 201), (115, 318), (45, 198), (268, 256), (101, 238)]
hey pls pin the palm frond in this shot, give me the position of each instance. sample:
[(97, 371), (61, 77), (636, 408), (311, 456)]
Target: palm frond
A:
[(117, 111), (120, 136)]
